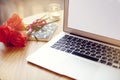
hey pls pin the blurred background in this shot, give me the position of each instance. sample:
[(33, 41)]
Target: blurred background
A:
[(25, 8)]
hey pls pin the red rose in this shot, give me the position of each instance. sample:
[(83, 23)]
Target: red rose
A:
[(12, 38), (4, 30), (15, 22)]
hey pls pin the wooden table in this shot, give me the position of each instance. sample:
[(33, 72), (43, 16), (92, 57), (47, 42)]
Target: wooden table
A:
[(13, 64)]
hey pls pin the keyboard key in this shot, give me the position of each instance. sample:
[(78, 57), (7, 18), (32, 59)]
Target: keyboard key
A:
[(68, 50), (102, 61), (109, 63), (63, 49), (85, 56)]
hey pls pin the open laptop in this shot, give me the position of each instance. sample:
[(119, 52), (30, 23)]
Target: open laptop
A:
[(88, 48)]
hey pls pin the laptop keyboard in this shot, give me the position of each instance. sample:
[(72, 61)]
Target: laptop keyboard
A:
[(89, 49)]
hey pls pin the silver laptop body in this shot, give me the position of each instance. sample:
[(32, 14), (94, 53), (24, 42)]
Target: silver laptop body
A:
[(88, 49)]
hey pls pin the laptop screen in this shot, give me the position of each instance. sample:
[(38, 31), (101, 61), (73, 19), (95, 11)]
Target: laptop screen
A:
[(101, 17)]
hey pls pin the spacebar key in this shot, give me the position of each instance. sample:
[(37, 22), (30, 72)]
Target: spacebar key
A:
[(85, 56)]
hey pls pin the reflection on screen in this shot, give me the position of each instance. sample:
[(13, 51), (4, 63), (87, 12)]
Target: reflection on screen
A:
[(100, 17)]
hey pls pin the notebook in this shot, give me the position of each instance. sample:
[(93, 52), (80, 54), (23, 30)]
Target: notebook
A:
[(89, 46)]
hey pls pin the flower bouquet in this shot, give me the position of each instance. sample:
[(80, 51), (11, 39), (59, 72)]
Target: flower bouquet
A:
[(14, 33)]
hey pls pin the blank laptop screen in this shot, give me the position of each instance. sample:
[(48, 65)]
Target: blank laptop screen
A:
[(101, 17)]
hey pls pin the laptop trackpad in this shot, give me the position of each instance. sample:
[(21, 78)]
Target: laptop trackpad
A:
[(78, 68)]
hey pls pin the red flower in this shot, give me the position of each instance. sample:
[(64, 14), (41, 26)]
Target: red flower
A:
[(15, 22), (3, 33), (11, 37)]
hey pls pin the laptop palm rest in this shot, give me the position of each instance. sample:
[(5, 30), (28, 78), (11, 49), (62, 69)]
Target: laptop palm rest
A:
[(64, 64)]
